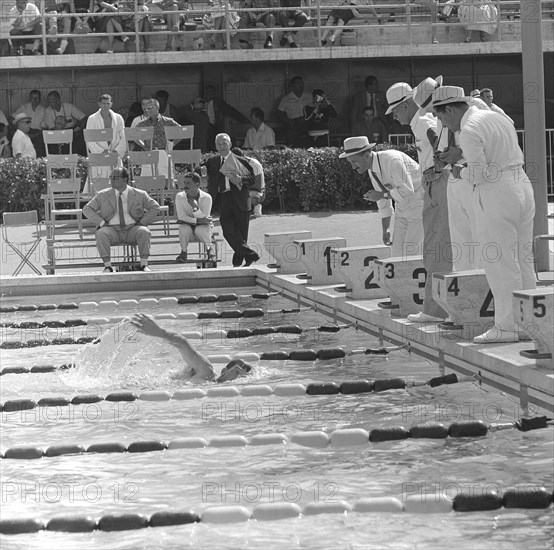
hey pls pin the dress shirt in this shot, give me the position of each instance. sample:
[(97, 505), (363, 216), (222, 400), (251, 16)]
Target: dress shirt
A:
[(264, 136), (159, 141), (67, 110), (185, 211), (37, 115), (420, 124), (124, 199), (293, 106), (25, 19), (227, 182), (400, 175), (21, 143), (489, 144)]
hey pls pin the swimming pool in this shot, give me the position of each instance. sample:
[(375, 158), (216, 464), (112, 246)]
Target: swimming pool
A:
[(99, 484)]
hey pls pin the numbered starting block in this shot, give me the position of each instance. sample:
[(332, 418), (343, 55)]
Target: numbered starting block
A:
[(467, 298), (403, 279), (285, 251), (316, 256), (357, 268), (534, 311)]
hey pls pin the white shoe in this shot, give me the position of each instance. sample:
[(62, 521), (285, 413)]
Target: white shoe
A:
[(257, 211), (423, 318), (496, 335)]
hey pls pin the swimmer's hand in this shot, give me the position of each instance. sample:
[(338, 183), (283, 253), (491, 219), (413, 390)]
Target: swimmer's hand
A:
[(146, 324)]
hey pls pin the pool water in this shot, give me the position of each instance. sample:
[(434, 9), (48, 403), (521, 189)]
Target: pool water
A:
[(185, 479)]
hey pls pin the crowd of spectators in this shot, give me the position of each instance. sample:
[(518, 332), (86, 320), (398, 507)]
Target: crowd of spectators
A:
[(118, 21)]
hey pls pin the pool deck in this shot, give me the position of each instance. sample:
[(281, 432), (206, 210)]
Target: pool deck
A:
[(500, 366)]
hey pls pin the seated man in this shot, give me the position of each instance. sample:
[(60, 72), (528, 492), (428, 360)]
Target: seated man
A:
[(292, 11), (25, 20), (259, 135), (371, 126), (193, 207), (122, 214), (198, 368), (22, 146), (142, 19), (248, 20), (58, 20)]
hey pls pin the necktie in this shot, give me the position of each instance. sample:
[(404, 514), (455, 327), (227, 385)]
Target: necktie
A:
[(121, 214), (222, 187)]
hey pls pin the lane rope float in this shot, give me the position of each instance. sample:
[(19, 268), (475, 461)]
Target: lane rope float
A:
[(317, 439), (260, 390)]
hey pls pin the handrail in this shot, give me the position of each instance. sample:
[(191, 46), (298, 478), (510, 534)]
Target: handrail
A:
[(405, 15)]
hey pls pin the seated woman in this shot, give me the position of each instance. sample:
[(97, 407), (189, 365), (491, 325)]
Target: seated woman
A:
[(83, 9), (198, 368), (193, 207), (108, 24), (339, 17), (317, 117)]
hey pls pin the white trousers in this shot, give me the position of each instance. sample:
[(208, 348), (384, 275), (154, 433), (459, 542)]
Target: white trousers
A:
[(466, 252), (188, 233), (408, 235), (504, 213)]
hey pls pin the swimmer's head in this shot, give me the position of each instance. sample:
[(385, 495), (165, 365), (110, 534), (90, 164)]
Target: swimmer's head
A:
[(234, 369)]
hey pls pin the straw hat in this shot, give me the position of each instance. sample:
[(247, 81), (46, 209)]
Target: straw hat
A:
[(449, 94), (423, 93), (397, 94), (355, 146), (21, 116)]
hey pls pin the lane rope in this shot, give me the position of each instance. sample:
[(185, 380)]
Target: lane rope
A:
[(261, 390), (317, 439)]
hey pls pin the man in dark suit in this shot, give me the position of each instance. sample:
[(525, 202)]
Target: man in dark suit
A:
[(229, 191), (372, 97), (122, 214)]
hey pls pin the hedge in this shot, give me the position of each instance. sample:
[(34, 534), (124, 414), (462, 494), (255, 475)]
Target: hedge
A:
[(297, 180)]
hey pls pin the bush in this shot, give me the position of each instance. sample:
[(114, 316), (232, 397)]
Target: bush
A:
[(297, 180)]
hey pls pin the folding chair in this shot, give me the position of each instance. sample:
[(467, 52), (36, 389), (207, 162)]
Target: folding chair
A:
[(100, 166), (58, 142), (20, 229), (178, 133), (100, 135), (191, 159), (63, 186), (153, 184), (139, 134)]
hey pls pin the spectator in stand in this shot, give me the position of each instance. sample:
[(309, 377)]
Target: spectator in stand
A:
[(36, 111), (248, 20), (159, 142), (175, 20), (84, 22), (166, 108), (340, 17), (22, 146), (317, 116), (25, 20), (487, 96), (260, 135), (58, 21), (109, 23), (193, 207), (215, 20), (196, 114), (292, 11), (371, 127), (478, 16), (291, 112), (5, 149), (372, 97), (141, 17), (433, 7), (73, 116)]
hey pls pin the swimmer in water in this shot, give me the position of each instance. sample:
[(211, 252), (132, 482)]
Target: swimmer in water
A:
[(198, 368)]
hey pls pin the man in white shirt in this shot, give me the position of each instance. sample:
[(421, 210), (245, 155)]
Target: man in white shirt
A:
[(25, 20), (487, 96), (502, 199), (141, 118), (437, 250), (73, 116), (36, 111), (193, 207), (260, 135), (22, 145), (291, 112), (393, 175)]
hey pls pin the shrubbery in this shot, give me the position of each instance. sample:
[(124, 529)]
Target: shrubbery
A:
[(297, 180)]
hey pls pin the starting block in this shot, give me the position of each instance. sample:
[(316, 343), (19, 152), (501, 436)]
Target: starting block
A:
[(355, 263), (403, 279), (285, 251), (316, 255), (533, 310), (467, 298)]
